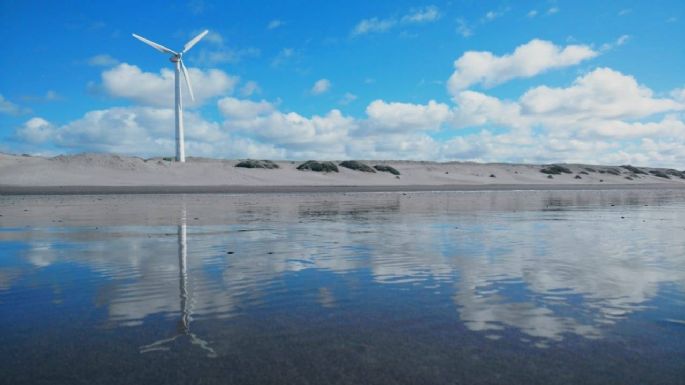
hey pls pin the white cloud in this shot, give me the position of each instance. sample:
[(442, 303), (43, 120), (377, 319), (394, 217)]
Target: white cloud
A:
[(141, 131), (415, 16), (405, 117), (296, 136), (102, 60), (625, 11), (35, 130), (669, 126), (530, 59), (243, 109), (600, 94), (130, 82), (553, 10), (532, 13), (321, 86), (273, 24)]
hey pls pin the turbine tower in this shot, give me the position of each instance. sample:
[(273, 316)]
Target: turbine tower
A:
[(177, 59)]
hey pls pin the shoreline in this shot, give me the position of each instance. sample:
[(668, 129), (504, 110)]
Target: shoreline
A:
[(13, 190)]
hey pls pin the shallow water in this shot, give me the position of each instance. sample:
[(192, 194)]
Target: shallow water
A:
[(465, 287)]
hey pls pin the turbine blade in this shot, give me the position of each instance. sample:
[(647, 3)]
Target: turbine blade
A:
[(187, 78), (194, 41), (154, 45)]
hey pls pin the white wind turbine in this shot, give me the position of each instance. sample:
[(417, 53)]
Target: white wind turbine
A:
[(177, 59)]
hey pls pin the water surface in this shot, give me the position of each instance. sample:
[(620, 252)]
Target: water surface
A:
[(517, 287)]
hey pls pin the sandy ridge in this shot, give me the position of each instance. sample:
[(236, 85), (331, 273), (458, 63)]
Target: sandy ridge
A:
[(106, 173)]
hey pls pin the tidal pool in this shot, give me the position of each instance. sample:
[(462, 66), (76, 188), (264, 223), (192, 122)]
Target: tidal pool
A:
[(498, 287)]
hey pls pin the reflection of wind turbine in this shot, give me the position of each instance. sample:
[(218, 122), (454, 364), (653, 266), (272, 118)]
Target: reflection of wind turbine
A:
[(186, 302), (176, 58)]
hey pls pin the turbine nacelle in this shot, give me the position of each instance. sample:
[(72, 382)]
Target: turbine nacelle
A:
[(175, 59)]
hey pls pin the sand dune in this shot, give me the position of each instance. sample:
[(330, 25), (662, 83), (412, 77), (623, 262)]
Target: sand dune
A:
[(97, 172)]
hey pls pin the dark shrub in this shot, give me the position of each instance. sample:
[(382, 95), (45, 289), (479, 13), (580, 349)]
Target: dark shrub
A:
[(579, 177), (675, 173), (492, 176), (252, 163), (660, 174), (590, 169), (613, 171), (629, 178), (555, 170), (634, 170), (584, 173), (313, 165), (356, 165), (384, 168)]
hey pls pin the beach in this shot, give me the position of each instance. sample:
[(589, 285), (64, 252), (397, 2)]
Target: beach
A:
[(106, 173)]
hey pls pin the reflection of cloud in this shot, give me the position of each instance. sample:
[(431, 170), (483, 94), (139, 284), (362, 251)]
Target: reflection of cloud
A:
[(546, 264)]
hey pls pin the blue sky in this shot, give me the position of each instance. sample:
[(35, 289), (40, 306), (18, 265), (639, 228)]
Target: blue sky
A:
[(525, 81)]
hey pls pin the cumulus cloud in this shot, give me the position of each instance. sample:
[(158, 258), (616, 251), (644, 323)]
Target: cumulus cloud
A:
[(321, 86), (297, 136), (414, 16), (244, 109), (527, 60), (36, 130), (130, 82), (141, 131), (603, 102), (405, 117), (602, 93)]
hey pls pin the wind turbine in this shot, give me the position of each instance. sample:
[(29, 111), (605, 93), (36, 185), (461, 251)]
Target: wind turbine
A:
[(177, 59)]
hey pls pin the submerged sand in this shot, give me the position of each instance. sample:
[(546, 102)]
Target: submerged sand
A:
[(105, 173)]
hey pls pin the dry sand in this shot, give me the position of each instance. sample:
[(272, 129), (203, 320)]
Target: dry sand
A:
[(105, 173)]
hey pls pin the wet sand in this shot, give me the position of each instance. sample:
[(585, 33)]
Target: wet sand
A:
[(231, 189)]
